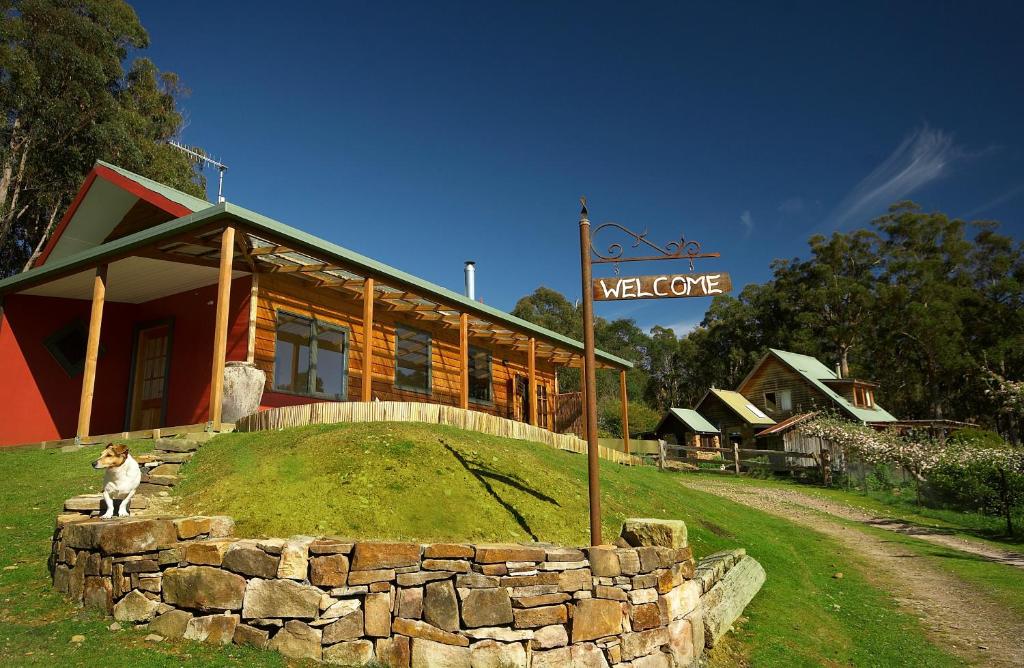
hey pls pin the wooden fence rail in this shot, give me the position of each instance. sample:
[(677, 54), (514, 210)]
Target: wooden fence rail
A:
[(331, 412), (777, 458)]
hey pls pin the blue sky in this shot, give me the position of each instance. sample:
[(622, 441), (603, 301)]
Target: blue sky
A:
[(426, 134)]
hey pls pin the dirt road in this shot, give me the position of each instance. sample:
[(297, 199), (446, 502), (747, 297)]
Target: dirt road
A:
[(955, 614)]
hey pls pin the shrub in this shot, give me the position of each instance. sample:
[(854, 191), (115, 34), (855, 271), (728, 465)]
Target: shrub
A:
[(642, 418), (990, 480)]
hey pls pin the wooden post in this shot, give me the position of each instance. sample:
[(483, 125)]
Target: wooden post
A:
[(250, 347), (624, 397), (583, 404), (736, 456), (368, 295), (590, 373), (464, 360), (220, 332), (92, 349), (531, 369)]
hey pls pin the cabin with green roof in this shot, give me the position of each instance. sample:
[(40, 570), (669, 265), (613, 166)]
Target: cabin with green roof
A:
[(685, 426), (737, 418)]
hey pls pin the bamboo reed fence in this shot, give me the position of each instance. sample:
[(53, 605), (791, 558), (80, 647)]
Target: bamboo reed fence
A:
[(404, 411)]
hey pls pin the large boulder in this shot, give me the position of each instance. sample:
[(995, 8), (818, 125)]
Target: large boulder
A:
[(280, 599), (648, 532), (297, 641), (124, 535), (727, 599), (171, 624), (135, 607), (203, 588), (214, 629)]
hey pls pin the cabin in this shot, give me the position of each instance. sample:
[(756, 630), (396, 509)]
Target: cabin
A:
[(144, 294), (736, 418), (687, 427)]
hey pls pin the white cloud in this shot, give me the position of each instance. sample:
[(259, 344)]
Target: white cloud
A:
[(922, 157), (747, 221), (994, 202), (791, 205)]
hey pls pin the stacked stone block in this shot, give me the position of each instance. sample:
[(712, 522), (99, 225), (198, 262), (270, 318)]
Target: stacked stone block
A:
[(636, 603)]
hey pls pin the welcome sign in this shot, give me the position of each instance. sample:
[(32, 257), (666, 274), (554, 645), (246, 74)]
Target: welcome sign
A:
[(660, 286)]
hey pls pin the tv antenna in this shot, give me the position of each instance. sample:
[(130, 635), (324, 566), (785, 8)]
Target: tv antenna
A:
[(206, 160)]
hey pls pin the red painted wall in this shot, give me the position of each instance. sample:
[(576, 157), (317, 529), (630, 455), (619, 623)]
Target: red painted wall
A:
[(39, 401)]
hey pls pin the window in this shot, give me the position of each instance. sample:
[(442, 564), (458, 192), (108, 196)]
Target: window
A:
[(67, 345), (480, 375), (412, 360), (755, 410), (310, 357), (779, 400), (863, 397)]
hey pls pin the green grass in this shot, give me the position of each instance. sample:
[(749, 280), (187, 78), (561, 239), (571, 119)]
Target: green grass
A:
[(400, 481)]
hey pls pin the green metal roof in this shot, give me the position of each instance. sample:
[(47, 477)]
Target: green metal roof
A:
[(191, 202), (816, 372), (692, 419), (296, 239), (742, 407)]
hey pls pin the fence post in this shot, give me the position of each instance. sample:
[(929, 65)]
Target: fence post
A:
[(736, 456)]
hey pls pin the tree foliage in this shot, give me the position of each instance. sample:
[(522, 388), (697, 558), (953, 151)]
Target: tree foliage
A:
[(930, 307), (70, 95)]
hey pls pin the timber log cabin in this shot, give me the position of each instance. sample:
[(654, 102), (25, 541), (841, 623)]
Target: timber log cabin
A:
[(143, 293)]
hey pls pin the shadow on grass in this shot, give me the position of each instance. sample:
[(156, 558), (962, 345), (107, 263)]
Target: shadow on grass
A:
[(482, 473)]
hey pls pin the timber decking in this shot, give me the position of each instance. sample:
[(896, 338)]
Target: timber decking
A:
[(405, 411)]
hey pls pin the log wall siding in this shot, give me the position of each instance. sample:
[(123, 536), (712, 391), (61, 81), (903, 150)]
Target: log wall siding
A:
[(289, 294), (772, 376)]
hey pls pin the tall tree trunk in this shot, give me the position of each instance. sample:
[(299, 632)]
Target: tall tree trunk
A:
[(844, 361)]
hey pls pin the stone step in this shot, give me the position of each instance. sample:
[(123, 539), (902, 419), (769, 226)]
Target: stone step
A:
[(176, 445), (84, 503), (146, 489), (164, 480)]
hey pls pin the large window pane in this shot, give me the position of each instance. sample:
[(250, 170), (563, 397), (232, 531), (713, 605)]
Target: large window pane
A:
[(412, 359), (292, 353), (330, 361), (479, 375)]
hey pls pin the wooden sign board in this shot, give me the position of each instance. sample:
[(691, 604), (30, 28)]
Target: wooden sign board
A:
[(661, 286)]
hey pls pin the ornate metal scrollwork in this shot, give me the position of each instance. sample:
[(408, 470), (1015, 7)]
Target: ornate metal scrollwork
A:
[(673, 250)]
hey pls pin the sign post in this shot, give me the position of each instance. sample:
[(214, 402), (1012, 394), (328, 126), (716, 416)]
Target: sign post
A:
[(660, 286)]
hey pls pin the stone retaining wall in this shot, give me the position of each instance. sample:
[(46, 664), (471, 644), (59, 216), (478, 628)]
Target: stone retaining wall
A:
[(638, 603)]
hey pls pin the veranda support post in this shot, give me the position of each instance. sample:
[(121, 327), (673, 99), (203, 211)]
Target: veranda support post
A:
[(624, 397), (220, 332), (531, 369), (366, 393), (92, 348), (463, 360)]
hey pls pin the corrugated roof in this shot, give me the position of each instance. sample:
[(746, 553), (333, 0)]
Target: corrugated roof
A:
[(693, 420), (300, 241), (816, 372), (742, 407), (191, 202)]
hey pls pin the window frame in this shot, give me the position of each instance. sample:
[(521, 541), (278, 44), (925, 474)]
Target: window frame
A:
[(50, 343), (315, 324), (490, 377), (429, 391)]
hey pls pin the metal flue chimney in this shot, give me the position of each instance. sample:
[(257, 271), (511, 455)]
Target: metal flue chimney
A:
[(471, 279)]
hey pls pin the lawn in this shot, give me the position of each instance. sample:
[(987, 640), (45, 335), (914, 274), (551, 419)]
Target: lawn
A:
[(400, 480)]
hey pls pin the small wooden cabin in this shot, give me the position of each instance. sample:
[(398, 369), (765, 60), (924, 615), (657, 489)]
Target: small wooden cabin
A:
[(687, 427), (144, 292), (736, 418)]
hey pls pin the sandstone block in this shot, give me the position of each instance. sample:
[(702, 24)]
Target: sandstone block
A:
[(641, 643), (248, 559), (645, 616), (251, 636), (486, 607), (448, 551), (604, 561), (431, 654), (570, 581), (356, 578), (553, 658), (203, 588), (378, 556), (422, 630), (530, 580), (680, 601), (654, 532), (596, 618), (214, 629), (297, 641), (641, 596), (123, 536), (629, 561), (135, 607), (338, 609), (394, 652), (322, 546), (549, 637), (474, 580), (141, 566), (655, 660), (587, 655), (724, 603), (171, 624), (611, 593), (492, 553), (440, 607), (97, 593), (350, 653), (377, 615), (294, 562), (499, 633), (349, 627), (329, 571), (491, 654), (557, 553), (410, 603), (205, 552), (528, 618), (542, 599), (280, 598), (175, 445), (680, 642), (416, 579), (451, 565)]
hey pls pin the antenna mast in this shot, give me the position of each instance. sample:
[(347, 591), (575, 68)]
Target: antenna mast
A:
[(199, 157)]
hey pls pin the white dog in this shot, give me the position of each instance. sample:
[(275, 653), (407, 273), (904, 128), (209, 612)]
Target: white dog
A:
[(121, 479)]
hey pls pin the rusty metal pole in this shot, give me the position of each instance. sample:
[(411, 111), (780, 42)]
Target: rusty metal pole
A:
[(590, 377)]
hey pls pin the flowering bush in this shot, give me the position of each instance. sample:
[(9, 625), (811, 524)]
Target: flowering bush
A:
[(1008, 394)]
